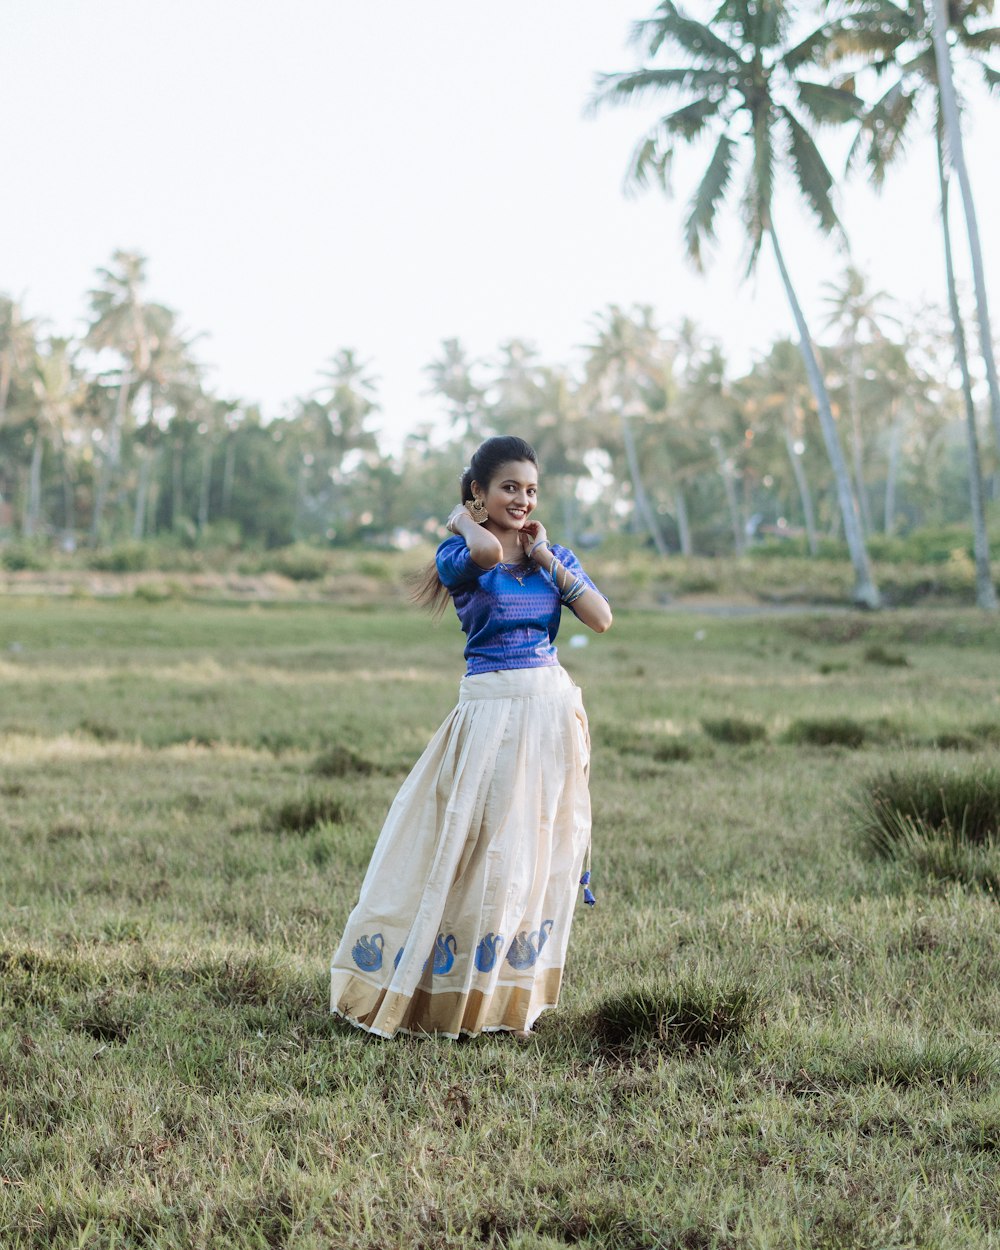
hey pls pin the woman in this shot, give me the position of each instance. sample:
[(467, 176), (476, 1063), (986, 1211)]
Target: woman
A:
[(465, 910)]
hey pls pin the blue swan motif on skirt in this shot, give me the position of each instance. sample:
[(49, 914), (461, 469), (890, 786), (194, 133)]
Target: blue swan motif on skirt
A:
[(367, 952), (445, 949), (526, 948), (487, 951)]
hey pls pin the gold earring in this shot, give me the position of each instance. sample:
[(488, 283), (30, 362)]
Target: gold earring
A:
[(477, 510)]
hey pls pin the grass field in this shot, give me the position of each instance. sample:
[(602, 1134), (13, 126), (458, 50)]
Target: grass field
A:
[(766, 1037)]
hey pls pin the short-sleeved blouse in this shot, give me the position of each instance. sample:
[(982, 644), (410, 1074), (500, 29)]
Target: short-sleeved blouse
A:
[(507, 624)]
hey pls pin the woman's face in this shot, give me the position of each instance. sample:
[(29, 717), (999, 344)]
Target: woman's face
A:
[(512, 494)]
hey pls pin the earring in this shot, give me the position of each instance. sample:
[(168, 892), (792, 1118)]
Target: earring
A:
[(477, 510)]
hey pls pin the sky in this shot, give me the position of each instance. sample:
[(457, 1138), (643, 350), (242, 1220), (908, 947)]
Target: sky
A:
[(308, 175)]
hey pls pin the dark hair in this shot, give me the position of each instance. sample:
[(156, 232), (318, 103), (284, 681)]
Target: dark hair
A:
[(427, 589)]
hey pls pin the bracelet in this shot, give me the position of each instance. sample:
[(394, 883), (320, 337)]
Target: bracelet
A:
[(578, 588), (540, 542)]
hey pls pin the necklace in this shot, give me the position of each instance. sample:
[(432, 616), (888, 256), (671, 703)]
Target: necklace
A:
[(512, 569)]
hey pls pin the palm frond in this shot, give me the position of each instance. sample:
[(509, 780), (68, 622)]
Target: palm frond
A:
[(650, 161), (980, 40), (633, 84), (885, 125), (810, 51), (760, 184), (700, 222), (814, 178), (689, 121), (672, 26), (829, 104), (991, 78)]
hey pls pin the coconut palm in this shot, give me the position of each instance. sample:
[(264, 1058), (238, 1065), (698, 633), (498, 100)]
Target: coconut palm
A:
[(57, 393), (911, 45), (119, 324), (17, 347), (622, 363), (907, 46), (777, 391), (859, 315), (746, 89)]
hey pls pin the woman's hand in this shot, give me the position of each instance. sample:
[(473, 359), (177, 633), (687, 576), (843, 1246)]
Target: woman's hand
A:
[(530, 534)]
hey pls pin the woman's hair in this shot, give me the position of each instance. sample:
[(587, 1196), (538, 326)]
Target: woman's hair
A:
[(427, 589)]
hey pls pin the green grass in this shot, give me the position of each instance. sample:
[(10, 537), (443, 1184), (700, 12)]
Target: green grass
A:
[(766, 1038)]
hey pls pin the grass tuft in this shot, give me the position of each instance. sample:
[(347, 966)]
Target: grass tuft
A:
[(341, 761), (877, 654), (307, 812), (694, 1015), (734, 730), (826, 732), (943, 824)]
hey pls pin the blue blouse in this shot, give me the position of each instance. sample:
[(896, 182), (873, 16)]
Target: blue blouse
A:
[(508, 625)]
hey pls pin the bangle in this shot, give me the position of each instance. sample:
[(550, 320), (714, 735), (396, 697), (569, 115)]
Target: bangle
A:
[(540, 542), (577, 589)]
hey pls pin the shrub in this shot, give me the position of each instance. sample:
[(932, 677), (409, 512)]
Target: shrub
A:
[(124, 558), (300, 562), (826, 732), (25, 557), (734, 730)]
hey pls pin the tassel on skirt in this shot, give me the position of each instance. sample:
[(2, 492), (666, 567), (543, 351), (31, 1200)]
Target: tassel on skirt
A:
[(464, 915)]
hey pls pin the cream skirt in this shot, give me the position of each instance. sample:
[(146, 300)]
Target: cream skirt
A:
[(465, 910)]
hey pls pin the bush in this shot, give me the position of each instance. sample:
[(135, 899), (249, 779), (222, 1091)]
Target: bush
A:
[(300, 562), (25, 557), (124, 558)]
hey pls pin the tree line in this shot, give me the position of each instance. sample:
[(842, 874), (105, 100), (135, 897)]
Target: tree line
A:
[(871, 429)]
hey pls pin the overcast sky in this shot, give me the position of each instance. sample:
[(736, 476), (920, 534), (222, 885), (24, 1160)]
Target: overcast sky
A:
[(306, 175)]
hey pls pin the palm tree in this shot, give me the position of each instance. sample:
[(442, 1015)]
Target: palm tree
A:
[(17, 347), (777, 389), (909, 46), (913, 41), (745, 88), (451, 378), (120, 324), (857, 312), (620, 366), (57, 393)]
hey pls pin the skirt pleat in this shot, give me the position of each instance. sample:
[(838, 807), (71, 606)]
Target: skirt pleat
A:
[(464, 915)]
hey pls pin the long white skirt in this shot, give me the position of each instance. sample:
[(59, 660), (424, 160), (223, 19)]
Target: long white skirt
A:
[(465, 910)]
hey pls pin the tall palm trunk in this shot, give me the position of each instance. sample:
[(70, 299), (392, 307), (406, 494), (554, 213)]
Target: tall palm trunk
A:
[(865, 591), (109, 461), (33, 509), (729, 487), (206, 485), (6, 373), (228, 465), (683, 524), (142, 495), (953, 125), (986, 596), (641, 499), (805, 494), (892, 472), (854, 358)]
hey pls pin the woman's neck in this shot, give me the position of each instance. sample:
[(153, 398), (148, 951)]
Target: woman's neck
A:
[(509, 542)]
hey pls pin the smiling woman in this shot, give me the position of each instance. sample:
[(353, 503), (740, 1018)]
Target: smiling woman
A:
[(463, 921)]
